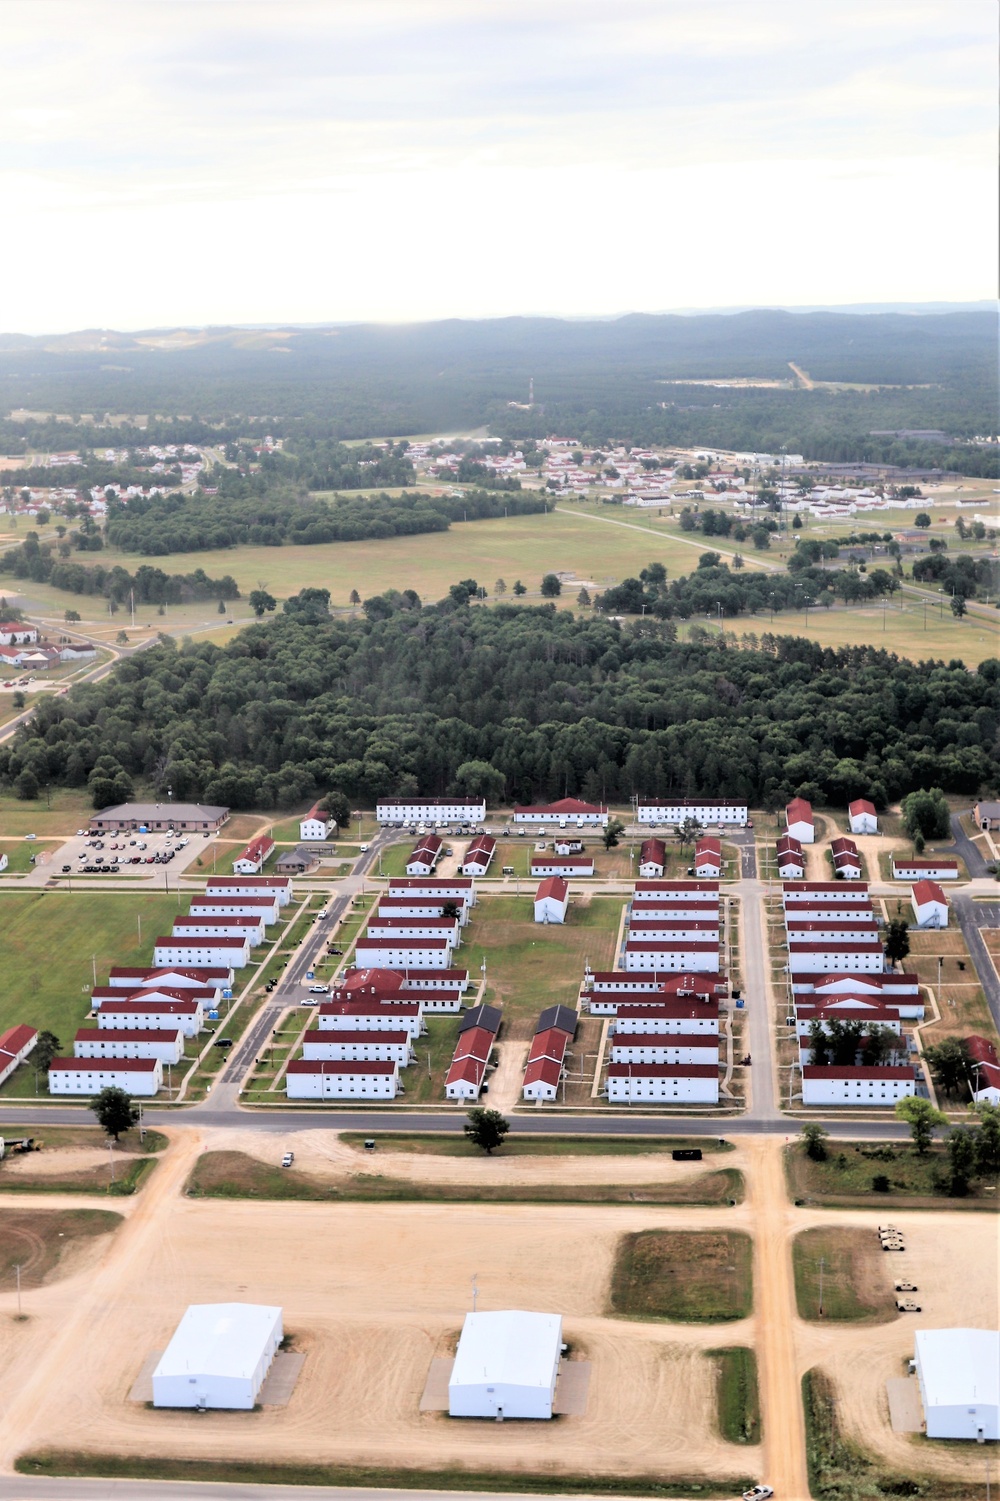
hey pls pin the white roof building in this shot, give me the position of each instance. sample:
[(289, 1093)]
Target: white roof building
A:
[(506, 1366), (218, 1357), (959, 1375)]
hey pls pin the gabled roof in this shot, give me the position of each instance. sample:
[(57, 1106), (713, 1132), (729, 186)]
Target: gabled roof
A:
[(554, 887), (549, 1044), (851, 1071), (861, 805), (928, 891), (542, 1071), (563, 1017), (16, 1038), (566, 807), (488, 1018), (799, 810)]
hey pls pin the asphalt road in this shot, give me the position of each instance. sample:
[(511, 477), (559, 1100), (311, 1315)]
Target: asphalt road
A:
[(971, 916), (967, 850), (30, 1488)]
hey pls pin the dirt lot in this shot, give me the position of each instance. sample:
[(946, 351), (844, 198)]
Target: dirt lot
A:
[(373, 1291)]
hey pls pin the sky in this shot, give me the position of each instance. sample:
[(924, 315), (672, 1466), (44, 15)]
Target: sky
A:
[(185, 162)]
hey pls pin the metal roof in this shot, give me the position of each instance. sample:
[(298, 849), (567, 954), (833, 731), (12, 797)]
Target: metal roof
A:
[(959, 1367), (508, 1348), (219, 1339)]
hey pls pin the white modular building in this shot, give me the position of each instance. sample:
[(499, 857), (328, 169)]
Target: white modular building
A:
[(799, 820), (849, 1085), (167, 1044), (862, 816), (930, 905), (316, 824), (679, 809), (218, 1357), (671, 930), (337, 1046), (402, 953), (694, 958), (193, 953), (280, 886), (391, 925), (137, 1076), (695, 1083), (808, 957), (506, 1366), (152, 1015), (220, 926), (665, 1047), (906, 869), (323, 1079), (959, 1375), (430, 810), (564, 812), (265, 907)]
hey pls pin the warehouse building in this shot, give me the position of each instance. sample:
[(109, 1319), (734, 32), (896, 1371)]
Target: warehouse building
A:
[(218, 1357), (506, 1366), (958, 1371)]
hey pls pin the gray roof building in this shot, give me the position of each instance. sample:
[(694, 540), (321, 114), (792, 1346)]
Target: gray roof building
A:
[(168, 815)]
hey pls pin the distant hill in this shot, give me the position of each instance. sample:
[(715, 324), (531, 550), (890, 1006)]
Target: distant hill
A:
[(597, 379)]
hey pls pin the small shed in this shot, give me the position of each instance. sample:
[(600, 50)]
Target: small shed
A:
[(551, 900), (506, 1366), (218, 1357)]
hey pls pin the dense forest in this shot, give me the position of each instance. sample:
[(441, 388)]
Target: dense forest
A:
[(600, 381), (715, 589), (518, 703)]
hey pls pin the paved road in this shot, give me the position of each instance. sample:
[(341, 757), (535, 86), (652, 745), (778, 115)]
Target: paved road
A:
[(971, 916), (29, 1488), (968, 850)]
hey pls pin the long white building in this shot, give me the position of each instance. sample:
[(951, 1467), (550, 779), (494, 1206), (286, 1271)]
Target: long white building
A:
[(690, 1083), (137, 1076), (397, 810), (229, 926), (958, 1371), (665, 1047), (265, 907), (691, 957), (167, 1043), (678, 810), (231, 953), (403, 954), (315, 1079), (135, 1013), (238, 886), (849, 1085), (807, 956), (340, 1045)]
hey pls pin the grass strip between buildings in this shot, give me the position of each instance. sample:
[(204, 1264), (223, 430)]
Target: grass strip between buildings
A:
[(236, 1175), (737, 1394), (112, 1467), (536, 1146), (684, 1276), (839, 1470), (856, 1276)]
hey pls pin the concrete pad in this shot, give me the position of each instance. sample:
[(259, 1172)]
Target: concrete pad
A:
[(279, 1383), (906, 1412), (142, 1386), (572, 1387), (435, 1394)]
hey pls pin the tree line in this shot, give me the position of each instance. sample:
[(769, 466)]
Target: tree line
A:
[(513, 703), (714, 589), (44, 563)]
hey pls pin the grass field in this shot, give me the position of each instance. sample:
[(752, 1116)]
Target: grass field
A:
[(52, 940), (232, 1472), (37, 1239), (844, 1180), (536, 1146), (530, 965), (737, 1394), (63, 812), (856, 1288), (685, 1276), (234, 1175)]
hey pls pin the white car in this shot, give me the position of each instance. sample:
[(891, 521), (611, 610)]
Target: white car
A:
[(319, 990), (758, 1493), (363, 848)]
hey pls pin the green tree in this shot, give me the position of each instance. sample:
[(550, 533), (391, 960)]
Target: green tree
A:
[(551, 586), (260, 601), (115, 1111), (927, 812), (897, 940), (339, 809), (738, 560), (583, 598), (922, 1119), (486, 1128), (500, 588), (71, 615), (961, 1159), (519, 588), (47, 1047), (122, 638), (355, 597), (797, 522), (819, 1045), (988, 1140), (687, 832), (613, 833), (958, 606), (480, 779), (221, 609), (815, 1139), (951, 1062), (922, 519), (26, 785)]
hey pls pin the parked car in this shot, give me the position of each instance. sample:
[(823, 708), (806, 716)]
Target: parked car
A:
[(758, 1493), (288, 1159), (906, 1287), (319, 990), (67, 869), (907, 1305)]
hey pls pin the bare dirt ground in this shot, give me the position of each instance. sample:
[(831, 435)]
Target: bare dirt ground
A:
[(55, 1162), (323, 1153), (374, 1291)]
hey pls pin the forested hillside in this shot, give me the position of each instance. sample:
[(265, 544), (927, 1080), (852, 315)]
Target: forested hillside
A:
[(519, 703), (598, 381)]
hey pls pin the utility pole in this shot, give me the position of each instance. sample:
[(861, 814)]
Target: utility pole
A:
[(822, 1264), (475, 1290), (17, 1270)]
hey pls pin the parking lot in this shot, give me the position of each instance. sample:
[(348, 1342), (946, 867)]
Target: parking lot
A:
[(131, 851)]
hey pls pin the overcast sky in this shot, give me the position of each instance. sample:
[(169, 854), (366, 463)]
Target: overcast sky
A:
[(193, 161)]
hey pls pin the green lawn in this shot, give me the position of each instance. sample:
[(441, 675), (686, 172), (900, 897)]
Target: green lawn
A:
[(50, 940), (63, 812), (856, 1276), (737, 1394), (530, 965), (686, 1276), (533, 1146)]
